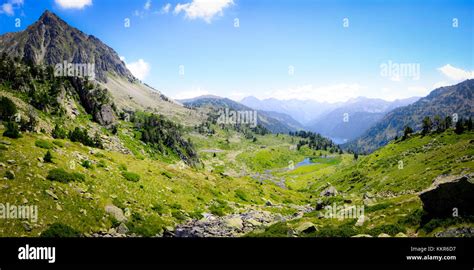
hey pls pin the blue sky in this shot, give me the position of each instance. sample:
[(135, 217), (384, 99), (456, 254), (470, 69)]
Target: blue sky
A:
[(305, 49)]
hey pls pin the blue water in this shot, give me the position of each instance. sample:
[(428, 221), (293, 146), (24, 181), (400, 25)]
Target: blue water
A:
[(306, 161)]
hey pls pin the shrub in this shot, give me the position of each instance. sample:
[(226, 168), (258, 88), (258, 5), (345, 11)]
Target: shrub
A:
[(60, 175), (44, 144), (60, 230), (59, 132), (9, 175), (48, 158), (130, 176), (80, 135), (7, 108), (151, 226), (12, 130), (390, 229), (86, 164)]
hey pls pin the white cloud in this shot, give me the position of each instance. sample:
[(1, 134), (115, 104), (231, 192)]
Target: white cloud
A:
[(455, 73), (9, 7), (196, 92), (73, 4), (203, 9), (166, 8), (147, 5), (139, 69)]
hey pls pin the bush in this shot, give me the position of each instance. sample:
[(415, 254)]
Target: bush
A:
[(130, 176), (12, 130), (7, 108), (60, 230), (391, 229), (44, 144), (60, 175), (48, 158), (86, 164), (80, 135), (9, 175), (59, 132)]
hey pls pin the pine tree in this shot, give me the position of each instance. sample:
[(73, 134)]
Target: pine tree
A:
[(48, 157), (12, 130), (448, 121), (459, 126), (427, 125), (437, 123), (408, 130)]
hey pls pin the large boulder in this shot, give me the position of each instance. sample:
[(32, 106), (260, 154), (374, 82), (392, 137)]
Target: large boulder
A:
[(116, 212), (235, 223), (306, 227), (449, 195), (105, 115)]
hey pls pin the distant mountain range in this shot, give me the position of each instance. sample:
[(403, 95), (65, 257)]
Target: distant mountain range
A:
[(352, 118), (273, 121), (341, 121), (303, 111), (444, 101), (365, 122)]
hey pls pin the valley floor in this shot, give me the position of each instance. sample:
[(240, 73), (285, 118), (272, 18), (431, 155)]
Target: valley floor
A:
[(259, 188)]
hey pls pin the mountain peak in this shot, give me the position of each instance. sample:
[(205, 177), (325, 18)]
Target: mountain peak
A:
[(49, 18), (48, 14), (51, 40)]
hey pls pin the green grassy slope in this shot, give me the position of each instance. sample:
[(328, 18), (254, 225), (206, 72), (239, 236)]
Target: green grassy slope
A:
[(390, 179)]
